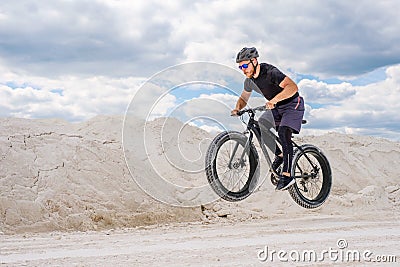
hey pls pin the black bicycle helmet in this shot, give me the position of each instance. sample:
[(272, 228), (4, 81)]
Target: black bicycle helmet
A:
[(246, 54)]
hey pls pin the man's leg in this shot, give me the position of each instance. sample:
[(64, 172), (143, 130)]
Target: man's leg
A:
[(278, 160), (292, 114), (285, 135), (268, 120)]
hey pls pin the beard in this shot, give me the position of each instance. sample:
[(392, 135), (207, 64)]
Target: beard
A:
[(249, 74)]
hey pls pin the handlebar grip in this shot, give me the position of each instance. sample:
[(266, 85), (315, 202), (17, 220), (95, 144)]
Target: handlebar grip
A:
[(240, 112), (260, 108)]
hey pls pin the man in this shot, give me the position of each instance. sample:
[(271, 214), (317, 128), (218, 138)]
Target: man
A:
[(284, 101)]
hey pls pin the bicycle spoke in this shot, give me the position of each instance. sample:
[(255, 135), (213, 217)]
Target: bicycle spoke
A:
[(233, 178), (312, 182)]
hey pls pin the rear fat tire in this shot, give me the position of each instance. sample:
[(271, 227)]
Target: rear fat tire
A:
[(296, 190)]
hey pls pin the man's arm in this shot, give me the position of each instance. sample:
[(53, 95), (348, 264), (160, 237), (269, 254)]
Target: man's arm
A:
[(242, 102), (289, 89)]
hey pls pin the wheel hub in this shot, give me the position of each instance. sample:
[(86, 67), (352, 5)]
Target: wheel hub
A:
[(236, 165)]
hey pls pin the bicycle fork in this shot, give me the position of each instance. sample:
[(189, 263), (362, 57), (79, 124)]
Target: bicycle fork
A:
[(245, 150)]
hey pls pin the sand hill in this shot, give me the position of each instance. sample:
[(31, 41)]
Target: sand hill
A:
[(56, 175)]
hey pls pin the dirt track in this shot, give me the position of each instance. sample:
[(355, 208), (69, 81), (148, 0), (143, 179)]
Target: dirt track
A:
[(223, 244)]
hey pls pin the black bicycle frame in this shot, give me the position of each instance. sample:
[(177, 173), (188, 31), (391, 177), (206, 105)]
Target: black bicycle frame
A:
[(253, 128)]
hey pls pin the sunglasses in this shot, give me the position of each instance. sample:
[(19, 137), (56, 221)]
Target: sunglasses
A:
[(244, 66)]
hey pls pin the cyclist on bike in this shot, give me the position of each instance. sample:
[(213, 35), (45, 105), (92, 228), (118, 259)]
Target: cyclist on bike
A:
[(284, 101)]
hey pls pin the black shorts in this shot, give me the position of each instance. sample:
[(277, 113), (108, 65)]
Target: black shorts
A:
[(289, 114)]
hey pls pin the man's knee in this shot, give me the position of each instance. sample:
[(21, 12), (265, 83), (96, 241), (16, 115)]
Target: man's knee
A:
[(285, 132)]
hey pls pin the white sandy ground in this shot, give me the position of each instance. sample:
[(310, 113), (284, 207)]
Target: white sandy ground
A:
[(222, 244), (68, 199)]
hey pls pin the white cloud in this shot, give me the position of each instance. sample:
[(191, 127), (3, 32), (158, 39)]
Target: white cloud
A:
[(123, 38), (97, 52), (323, 93), (81, 98), (162, 107), (371, 109), (212, 111)]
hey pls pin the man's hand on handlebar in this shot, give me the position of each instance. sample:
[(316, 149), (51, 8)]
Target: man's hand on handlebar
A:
[(270, 105), (234, 113)]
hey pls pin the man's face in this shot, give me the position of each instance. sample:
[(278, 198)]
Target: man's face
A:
[(247, 68)]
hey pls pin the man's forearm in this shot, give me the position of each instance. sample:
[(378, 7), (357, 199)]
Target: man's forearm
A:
[(241, 103), (289, 91)]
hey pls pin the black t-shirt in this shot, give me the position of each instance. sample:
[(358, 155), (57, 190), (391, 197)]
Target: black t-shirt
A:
[(267, 82)]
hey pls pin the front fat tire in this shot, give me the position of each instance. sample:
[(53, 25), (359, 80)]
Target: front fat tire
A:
[(213, 176), (325, 174)]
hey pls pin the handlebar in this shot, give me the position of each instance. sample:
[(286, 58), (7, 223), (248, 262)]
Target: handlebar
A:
[(251, 110)]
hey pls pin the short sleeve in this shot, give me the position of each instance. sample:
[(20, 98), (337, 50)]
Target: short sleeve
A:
[(249, 86), (276, 75)]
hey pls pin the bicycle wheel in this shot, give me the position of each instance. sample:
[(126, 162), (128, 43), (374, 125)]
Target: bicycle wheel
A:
[(231, 177), (313, 176)]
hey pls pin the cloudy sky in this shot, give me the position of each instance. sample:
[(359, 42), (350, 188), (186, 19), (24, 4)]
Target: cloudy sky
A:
[(78, 59)]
